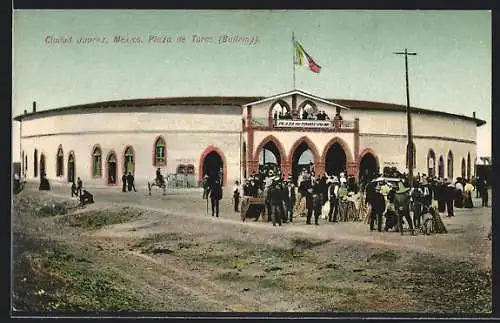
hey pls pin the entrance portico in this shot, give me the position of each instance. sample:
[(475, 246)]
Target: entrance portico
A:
[(280, 125)]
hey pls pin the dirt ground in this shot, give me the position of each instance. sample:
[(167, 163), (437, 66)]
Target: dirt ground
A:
[(133, 252)]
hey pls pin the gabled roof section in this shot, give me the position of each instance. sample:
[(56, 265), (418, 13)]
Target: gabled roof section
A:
[(300, 92)]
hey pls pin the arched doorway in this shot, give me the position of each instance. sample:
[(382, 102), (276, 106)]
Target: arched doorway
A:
[(35, 163), (244, 159), (335, 160), (128, 161), (368, 167), (270, 155), (463, 168), (111, 168), (441, 167), (213, 166), (59, 161), (302, 159), (71, 167), (449, 167), (42, 165), (431, 162), (468, 166)]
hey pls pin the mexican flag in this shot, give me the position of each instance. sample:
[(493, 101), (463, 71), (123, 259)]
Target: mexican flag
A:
[(302, 58)]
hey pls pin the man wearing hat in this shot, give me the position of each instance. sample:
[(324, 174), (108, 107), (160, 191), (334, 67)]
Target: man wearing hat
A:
[(402, 206), (377, 203), (289, 198), (275, 200), (333, 189), (215, 196), (450, 194), (205, 185)]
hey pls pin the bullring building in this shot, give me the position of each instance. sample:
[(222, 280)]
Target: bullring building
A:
[(193, 136)]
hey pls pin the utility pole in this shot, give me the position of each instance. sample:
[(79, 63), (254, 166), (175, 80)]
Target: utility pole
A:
[(408, 119)]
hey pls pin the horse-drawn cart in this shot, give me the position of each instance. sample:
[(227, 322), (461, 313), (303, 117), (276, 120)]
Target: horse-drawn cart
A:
[(253, 208)]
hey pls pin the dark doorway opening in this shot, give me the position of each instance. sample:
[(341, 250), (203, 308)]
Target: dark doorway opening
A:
[(441, 167), (335, 160), (111, 165), (35, 163), (213, 166), (368, 167), (302, 158), (71, 168), (42, 165)]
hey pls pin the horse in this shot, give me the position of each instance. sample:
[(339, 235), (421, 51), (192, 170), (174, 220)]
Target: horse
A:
[(162, 184)]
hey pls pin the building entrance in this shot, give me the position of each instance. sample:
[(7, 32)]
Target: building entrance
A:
[(335, 161), (213, 166)]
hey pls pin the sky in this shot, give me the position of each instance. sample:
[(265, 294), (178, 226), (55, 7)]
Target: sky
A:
[(451, 71)]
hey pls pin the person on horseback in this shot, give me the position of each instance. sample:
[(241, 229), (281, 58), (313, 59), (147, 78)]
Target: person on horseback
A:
[(159, 178)]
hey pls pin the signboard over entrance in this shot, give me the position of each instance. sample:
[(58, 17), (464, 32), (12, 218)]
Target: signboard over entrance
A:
[(303, 123)]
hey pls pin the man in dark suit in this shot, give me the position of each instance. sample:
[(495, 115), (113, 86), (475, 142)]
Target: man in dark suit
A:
[(130, 182), (377, 202), (289, 198), (215, 196), (450, 194), (124, 183)]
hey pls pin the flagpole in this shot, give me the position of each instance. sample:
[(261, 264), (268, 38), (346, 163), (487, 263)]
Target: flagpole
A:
[(293, 62)]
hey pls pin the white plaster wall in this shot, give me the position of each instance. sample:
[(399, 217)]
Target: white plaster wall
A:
[(394, 122), (181, 148), (392, 152), (137, 121)]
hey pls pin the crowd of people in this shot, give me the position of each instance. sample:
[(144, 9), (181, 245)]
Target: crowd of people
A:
[(389, 206), (307, 196), (405, 203)]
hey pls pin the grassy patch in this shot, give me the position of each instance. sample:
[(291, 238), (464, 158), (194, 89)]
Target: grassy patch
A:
[(49, 277), (97, 219), (304, 243), (156, 238), (445, 286), (52, 209), (386, 256)]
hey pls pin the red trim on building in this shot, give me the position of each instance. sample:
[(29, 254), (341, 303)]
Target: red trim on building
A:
[(204, 154), (279, 145), (371, 152), (164, 164)]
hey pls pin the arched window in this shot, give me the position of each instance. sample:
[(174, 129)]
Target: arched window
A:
[(463, 168), (97, 162), (450, 165), (25, 164), (280, 110), (159, 152), (60, 162), (35, 163), (307, 110), (414, 153), (190, 169), (128, 161)]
